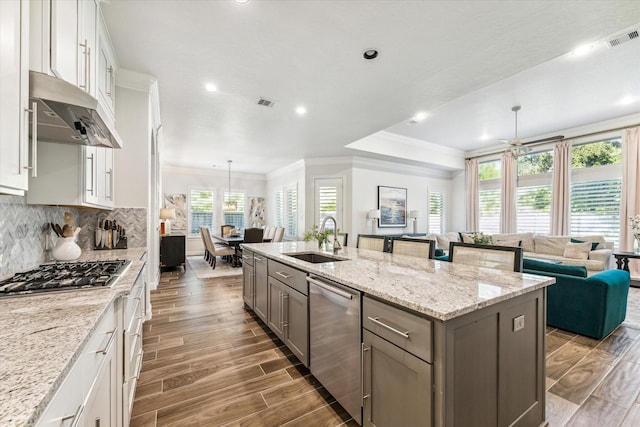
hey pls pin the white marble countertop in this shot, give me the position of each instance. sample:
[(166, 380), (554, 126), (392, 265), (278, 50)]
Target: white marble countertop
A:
[(439, 289), (42, 336)]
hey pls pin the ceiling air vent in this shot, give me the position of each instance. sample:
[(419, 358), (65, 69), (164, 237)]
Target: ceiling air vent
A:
[(266, 103), (622, 38), (412, 122)]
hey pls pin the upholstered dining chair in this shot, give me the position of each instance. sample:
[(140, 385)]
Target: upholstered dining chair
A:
[(278, 235), (342, 239), (422, 248), (269, 232), (373, 242), (251, 235), (215, 250), (507, 258), (226, 229)]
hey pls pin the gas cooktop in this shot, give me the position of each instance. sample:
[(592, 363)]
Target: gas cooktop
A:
[(62, 276)]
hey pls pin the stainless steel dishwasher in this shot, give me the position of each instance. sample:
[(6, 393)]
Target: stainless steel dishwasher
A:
[(335, 341)]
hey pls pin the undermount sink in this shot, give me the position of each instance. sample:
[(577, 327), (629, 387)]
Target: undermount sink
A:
[(314, 258)]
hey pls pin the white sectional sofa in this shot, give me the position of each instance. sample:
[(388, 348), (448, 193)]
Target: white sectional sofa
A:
[(552, 248)]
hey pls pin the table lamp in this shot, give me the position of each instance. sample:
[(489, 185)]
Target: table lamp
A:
[(414, 215), (166, 214), (374, 216)]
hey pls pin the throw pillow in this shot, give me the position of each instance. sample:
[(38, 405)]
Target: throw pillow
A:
[(594, 245), (466, 238), (577, 250), (509, 243), (551, 267)]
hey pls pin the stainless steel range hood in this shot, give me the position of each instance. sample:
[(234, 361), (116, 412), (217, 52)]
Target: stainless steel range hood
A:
[(67, 114)]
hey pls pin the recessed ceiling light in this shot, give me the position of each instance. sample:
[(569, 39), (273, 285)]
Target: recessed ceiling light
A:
[(210, 87), (484, 137), (241, 1), (420, 116), (370, 54), (582, 50), (627, 100), (301, 111)]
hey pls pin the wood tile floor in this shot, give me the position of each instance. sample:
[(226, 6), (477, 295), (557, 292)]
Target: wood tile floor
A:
[(209, 362)]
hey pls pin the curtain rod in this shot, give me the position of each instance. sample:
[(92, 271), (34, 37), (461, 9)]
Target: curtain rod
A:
[(565, 139)]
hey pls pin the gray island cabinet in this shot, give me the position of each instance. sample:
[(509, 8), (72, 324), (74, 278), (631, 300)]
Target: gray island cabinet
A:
[(442, 344)]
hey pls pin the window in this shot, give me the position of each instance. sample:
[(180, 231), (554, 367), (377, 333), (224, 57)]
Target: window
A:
[(533, 203), (596, 185), (291, 211), (279, 209), (235, 218), (201, 210), (489, 186), (328, 201), (436, 209)]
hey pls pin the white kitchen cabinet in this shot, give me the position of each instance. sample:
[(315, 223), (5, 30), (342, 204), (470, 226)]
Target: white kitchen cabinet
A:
[(73, 175), (107, 66), (89, 390), (14, 87), (64, 39), (133, 317), (87, 44)]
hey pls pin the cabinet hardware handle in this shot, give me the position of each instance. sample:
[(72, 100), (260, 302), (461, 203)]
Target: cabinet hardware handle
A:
[(110, 72), (285, 315), (283, 275), (391, 328), (75, 418), (85, 47), (91, 158), (330, 288), (106, 347), (362, 371), (34, 142), (109, 194), (89, 69)]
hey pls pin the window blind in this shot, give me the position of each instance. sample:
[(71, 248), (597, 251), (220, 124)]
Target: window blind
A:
[(327, 202), (436, 209), (291, 211), (534, 209), (489, 211), (201, 210), (279, 209), (595, 209)]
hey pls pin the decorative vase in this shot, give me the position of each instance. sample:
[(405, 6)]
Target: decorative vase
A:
[(636, 243), (66, 249)]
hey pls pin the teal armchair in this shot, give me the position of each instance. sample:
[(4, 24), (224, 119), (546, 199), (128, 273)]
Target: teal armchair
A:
[(592, 306)]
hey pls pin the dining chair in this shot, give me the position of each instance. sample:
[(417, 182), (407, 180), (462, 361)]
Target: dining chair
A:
[(342, 239), (508, 258), (216, 249), (278, 235), (422, 248), (269, 233), (373, 242), (226, 229)]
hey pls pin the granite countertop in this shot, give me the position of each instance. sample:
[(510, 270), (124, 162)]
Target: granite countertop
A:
[(42, 336), (439, 289)]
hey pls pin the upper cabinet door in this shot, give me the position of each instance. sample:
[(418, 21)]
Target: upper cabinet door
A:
[(106, 69), (87, 44), (14, 87), (64, 40)]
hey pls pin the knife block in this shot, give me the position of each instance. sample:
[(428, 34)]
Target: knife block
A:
[(122, 244)]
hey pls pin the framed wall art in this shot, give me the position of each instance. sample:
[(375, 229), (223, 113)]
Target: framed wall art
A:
[(392, 202)]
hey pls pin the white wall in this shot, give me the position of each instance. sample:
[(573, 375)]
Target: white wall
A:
[(132, 162), (368, 175), (183, 180)]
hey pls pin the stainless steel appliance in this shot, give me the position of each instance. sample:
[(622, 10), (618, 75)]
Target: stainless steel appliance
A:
[(335, 341), (63, 276)]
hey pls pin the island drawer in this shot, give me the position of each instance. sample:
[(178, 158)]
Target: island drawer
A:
[(406, 330), (247, 257), (289, 276)]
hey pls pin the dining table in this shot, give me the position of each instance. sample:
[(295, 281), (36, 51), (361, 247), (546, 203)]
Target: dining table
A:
[(233, 240)]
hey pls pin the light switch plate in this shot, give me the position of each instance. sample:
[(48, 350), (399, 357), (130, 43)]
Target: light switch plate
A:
[(518, 323)]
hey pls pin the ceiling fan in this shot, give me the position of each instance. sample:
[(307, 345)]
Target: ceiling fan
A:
[(518, 147)]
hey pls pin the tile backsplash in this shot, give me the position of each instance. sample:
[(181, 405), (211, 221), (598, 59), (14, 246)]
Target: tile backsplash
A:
[(23, 230)]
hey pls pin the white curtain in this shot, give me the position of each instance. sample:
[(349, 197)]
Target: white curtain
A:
[(630, 202), (509, 184), (473, 195), (560, 203)]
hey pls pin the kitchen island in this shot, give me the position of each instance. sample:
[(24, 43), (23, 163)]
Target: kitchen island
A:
[(443, 344), (44, 335)]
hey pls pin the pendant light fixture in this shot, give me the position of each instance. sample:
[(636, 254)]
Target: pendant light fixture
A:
[(229, 205)]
